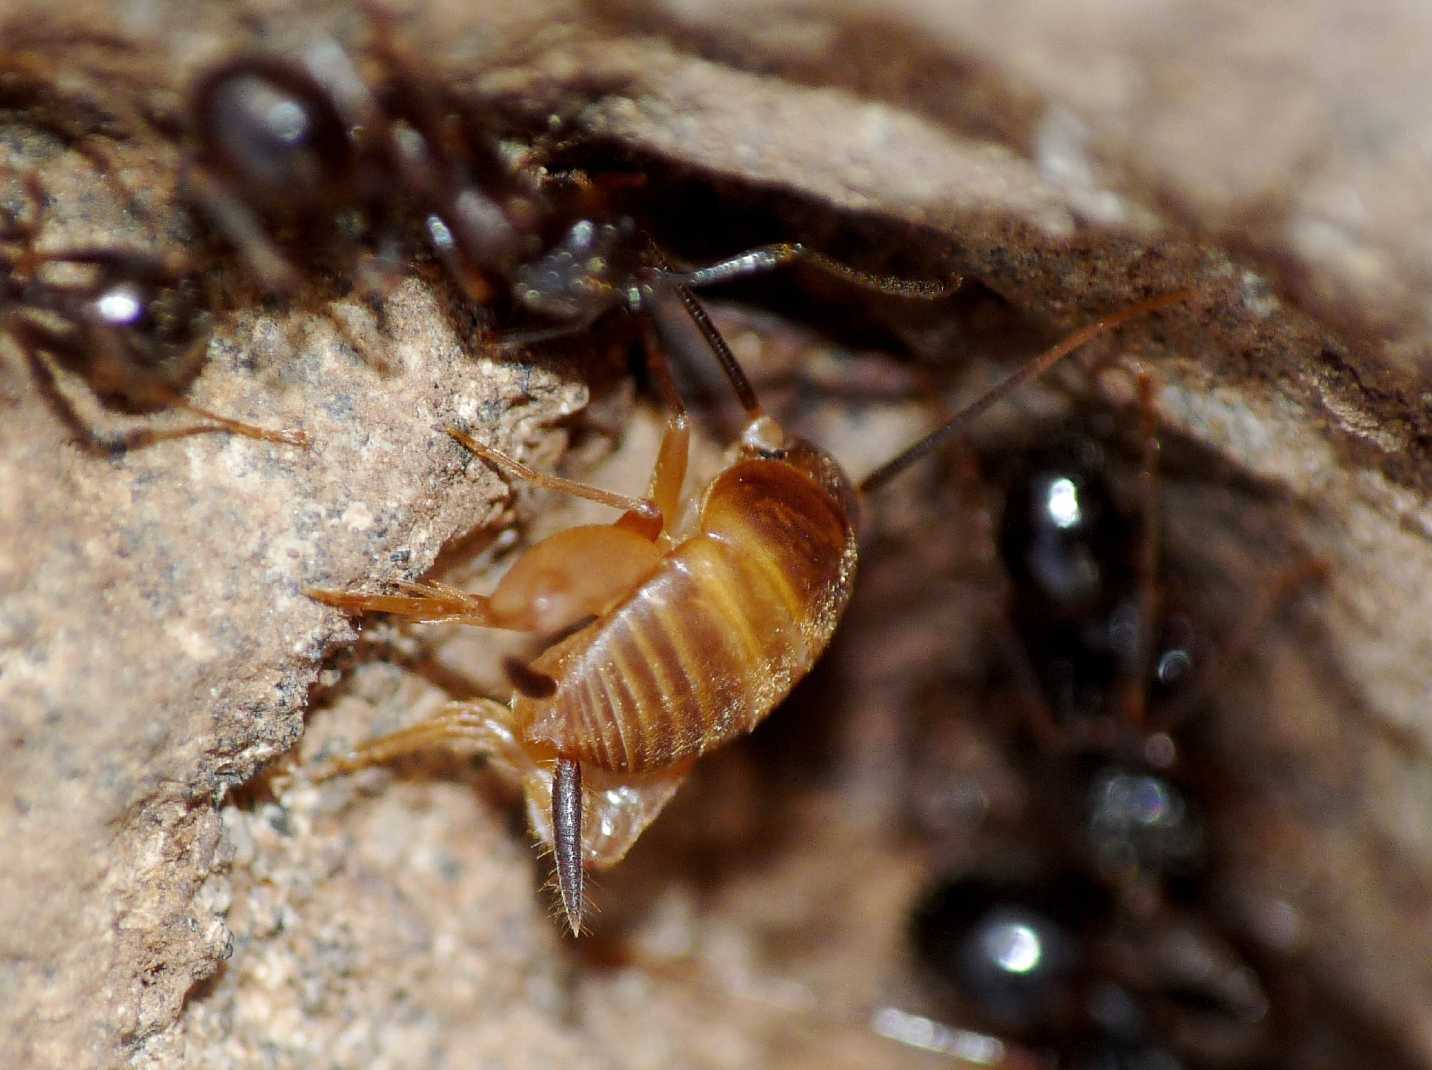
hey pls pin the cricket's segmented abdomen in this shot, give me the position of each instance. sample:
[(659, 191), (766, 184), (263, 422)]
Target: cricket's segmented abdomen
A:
[(702, 650)]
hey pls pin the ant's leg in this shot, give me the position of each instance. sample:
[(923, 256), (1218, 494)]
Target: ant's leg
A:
[(1038, 716), (520, 337), (766, 258), (237, 223), (32, 340), (23, 231), (221, 424), (1134, 700), (60, 405), (95, 56)]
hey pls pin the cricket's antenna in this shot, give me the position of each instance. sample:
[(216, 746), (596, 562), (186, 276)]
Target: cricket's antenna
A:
[(1030, 371)]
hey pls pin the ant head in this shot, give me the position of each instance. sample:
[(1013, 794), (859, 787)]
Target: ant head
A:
[(273, 130), (161, 309), (589, 270), (146, 321)]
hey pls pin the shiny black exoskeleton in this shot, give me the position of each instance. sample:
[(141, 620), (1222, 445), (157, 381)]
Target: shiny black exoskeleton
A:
[(1051, 962), (134, 327), (1072, 551), (328, 159), (293, 159), (1105, 657), (1014, 953), (1102, 958)]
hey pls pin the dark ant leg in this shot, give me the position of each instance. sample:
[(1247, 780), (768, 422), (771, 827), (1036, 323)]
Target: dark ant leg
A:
[(1036, 712), (520, 337), (224, 424), (752, 262), (1134, 702), (32, 341), (766, 258), (24, 232), (49, 389), (236, 222)]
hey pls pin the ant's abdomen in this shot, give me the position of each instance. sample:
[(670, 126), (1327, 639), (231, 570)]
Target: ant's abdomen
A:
[(705, 648)]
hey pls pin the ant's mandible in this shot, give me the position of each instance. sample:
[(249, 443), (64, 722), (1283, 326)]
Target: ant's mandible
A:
[(676, 641)]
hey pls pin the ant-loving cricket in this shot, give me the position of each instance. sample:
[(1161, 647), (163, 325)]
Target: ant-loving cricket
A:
[(673, 630)]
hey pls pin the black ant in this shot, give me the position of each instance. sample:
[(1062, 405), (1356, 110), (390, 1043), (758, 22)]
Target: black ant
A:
[(1046, 960), (1115, 667), (134, 326), (1102, 935), (284, 149)]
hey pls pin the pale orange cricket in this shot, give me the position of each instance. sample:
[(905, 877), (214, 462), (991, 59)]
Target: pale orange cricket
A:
[(693, 634)]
